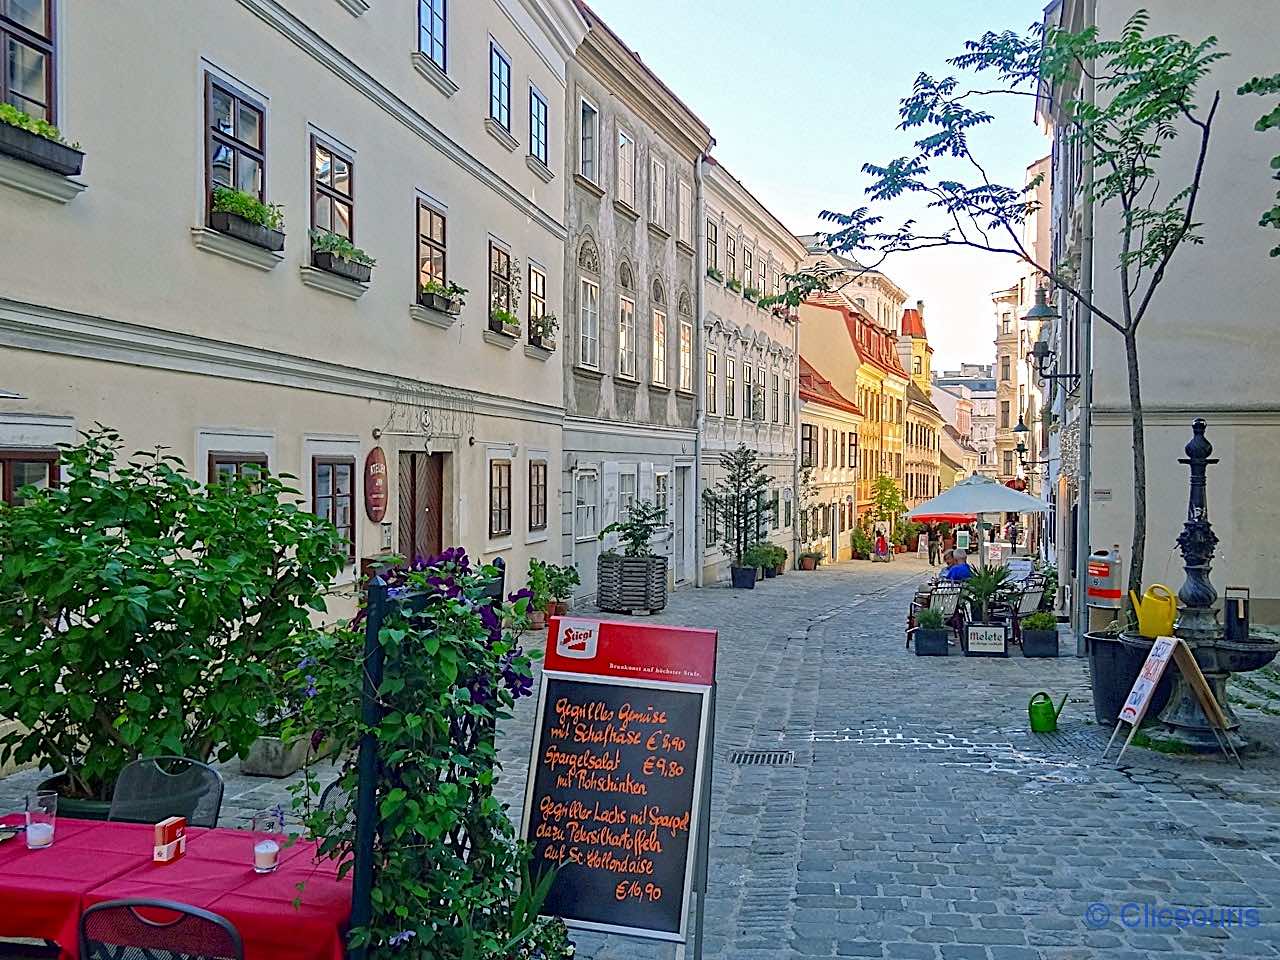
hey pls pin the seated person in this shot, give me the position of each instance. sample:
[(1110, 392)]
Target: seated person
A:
[(959, 569)]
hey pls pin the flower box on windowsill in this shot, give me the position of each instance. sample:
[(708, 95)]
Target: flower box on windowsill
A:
[(543, 343), (342, 267), (41, 151), (440, 303), (511, 330), (234, 225)]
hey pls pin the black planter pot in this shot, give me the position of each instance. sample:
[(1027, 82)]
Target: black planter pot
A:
[(744, 578), (234, 225), (770, 573), (332, 263), (1113, 668), (41, 151), (932, 643), (631, 584), (439, 302), (71, 807), (1039, 643)]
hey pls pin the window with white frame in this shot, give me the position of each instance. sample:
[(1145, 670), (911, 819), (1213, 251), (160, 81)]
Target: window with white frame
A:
[(586, 504), (730, 256), (712, 377), (684, 213), (431, 31), (659, 361), (626, 168), (537, 494), (626, 337), (589, 141), (661, 496), (499, 86), (537, 125), (686, 356), (657, 190), (730, 387), (626, 492), (589, 323)]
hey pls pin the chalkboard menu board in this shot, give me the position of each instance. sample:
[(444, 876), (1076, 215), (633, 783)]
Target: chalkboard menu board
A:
[(614, 801)]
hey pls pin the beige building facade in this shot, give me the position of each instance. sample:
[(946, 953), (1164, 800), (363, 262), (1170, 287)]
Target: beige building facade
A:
[(829, 427), (430, 138)]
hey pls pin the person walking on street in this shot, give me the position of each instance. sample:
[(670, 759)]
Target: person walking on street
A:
[(933, 546)]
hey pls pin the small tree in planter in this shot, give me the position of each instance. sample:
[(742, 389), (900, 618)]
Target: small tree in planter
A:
[(145, 614), (636, 579), (760, 559), (982, 636), (739, 500), (560, 582), (539, 589)]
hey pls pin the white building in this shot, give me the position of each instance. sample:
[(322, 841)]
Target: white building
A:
[(980, 385)]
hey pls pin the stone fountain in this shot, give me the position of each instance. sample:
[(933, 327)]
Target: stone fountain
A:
[(1182, 720)]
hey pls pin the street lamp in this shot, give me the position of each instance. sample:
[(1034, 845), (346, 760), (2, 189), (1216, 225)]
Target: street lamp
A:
[(1040, 356)]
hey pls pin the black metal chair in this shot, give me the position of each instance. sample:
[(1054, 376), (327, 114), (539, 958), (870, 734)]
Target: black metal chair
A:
[(156, 930), (155, 788)]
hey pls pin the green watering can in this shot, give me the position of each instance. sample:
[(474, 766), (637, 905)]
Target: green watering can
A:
[(1044, 719)]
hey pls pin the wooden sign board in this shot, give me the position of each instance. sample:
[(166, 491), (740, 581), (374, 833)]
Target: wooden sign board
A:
[(375, 485), (617, 792)]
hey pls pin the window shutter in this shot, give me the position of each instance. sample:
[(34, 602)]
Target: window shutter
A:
[(609, 501)]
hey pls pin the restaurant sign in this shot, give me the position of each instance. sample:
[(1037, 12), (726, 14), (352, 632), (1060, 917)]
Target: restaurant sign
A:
[(618, 788), (375, 485)]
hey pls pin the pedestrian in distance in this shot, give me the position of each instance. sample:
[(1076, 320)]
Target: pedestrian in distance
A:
[(933, 546)]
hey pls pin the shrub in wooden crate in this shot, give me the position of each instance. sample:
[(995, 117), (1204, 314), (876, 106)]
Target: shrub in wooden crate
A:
[(634, 580)]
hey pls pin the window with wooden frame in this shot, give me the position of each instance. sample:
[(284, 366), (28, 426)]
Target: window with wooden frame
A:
[(431, 31), (499, 498), (22, 468), (786, 402), (658, 360), (730, 256), (499, 278), (235, 139), (432, 244), (499, 86), (746, 391), (236, 466), (853, 449), (713, 236), (27, 50), (826, 448), (333, 495), (537, 495), (808, 445), (537, 299), (774, 398), (332, 199), (685, 382)]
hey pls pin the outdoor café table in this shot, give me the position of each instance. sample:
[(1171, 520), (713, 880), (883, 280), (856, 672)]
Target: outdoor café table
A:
[(94, 862)]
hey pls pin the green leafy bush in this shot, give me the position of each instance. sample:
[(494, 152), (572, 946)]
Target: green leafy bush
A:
[(758, 555), (146, 614), (248, 207), (930, 619), (451, 879), (734, 284), (545, 326), (16, 118), (505, 317), (450, 291), (322, 241), (561, 580), (861, 543), (1040, 621), (715, 274), (636, 532)]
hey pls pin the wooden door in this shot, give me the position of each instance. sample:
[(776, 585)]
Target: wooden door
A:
[(421, 504)]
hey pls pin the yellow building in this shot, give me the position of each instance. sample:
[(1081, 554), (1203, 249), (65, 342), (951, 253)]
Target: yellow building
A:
[(924, 424)]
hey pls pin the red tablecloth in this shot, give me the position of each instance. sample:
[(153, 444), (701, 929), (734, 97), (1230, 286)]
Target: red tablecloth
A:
[(42, 892)]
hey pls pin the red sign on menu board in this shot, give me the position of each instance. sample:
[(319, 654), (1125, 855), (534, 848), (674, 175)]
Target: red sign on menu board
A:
[(618, 785), (375, 485)]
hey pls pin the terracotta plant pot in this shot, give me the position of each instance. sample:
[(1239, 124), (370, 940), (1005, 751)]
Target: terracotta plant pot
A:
[(808, 563)]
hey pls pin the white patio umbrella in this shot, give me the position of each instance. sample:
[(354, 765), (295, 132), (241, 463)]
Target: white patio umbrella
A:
[(977, 495)]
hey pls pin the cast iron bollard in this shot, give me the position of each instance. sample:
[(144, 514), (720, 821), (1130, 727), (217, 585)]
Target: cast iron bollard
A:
[(367, 784)]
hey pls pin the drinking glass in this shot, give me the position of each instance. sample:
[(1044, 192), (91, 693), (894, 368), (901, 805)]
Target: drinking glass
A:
[(268, 837), (42, 814)]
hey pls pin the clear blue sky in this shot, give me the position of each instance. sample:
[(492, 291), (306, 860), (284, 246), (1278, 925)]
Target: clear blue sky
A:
[(800, 94)]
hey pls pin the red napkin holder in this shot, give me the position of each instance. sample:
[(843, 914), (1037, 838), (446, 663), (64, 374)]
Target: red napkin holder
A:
[(171, 840)]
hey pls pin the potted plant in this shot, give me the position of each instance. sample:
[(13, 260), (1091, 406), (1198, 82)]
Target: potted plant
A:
[(179, 614), (504, 322), (780, 559), (751, 293), (739, 498), (560, 582), (760, 557), (931, 634), (983, 638), (810, 559), (442, 297), (1039, 634), (336, 254), (543, 329), (715, 274), (539, 588), (34, 141), (860, 543), (245, 217), (734, 284), (635, 579)]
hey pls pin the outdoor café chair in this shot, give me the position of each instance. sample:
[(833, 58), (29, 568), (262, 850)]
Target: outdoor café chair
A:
[(156, 930), (155, 788), (944, 597), (1022, 604)]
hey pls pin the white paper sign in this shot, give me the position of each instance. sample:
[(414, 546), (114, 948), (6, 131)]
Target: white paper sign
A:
[(1152, 670), (922, 548), (1019, 568), (985, 639)]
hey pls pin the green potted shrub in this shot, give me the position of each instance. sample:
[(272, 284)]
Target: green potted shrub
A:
[(543, 330), (983, 638), (442, 297), (37, 142), (180, 607), (504, 322), (1039, 633), (245, 217), (636, 579), (751, 293), (739, 499), (560, 583), (860, 543), (931, 634), (539, 586), (759, 556), (334, 253), (810, 559), (780, 559)]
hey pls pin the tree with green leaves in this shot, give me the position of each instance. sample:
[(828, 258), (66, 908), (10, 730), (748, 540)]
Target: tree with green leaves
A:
[(1147, 97), (738, 499), (887, 502), (1268, 86)]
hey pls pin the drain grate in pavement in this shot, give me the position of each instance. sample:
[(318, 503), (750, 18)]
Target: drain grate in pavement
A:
[(762, 758)]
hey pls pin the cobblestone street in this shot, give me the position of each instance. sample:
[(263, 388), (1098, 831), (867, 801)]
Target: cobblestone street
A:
[(920, 817)]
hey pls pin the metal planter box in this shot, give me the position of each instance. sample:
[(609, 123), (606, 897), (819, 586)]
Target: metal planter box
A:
[(331, 262), (932, 643), (40, 151), (439, 302), (1039, 643), (631, 584), (234, 225)]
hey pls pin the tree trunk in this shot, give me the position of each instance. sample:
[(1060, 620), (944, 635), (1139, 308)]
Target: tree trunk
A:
[(1139, 545)]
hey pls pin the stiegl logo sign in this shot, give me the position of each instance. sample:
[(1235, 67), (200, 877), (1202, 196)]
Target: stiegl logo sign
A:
[(578, 639)]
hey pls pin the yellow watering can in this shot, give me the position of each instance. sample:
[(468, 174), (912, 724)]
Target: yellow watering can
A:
[(1156, 611)]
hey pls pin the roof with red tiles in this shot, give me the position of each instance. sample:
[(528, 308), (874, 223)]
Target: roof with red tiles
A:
[(913, 324), (816, 388), (877, 345)]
